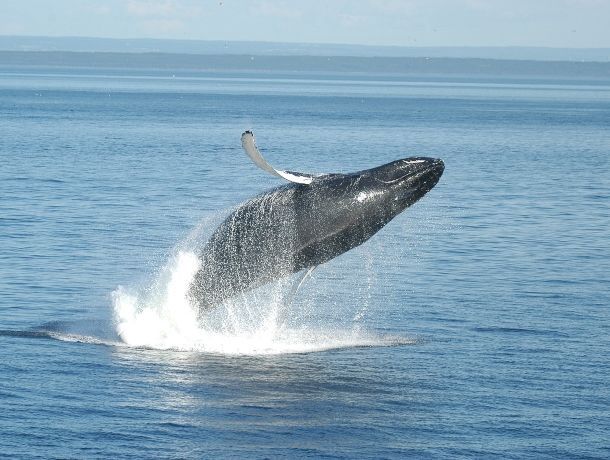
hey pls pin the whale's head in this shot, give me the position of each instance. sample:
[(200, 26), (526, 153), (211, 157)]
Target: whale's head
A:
[(399, 184), (343, 211)]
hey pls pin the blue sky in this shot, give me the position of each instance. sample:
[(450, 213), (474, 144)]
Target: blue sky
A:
[(555, 23)]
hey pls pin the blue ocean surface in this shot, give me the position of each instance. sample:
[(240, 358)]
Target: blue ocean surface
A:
[(475, 324)]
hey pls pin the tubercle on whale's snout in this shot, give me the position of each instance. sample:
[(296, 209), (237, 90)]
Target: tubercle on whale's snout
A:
[(436, 170), (433, 166), (440, 165), (433, 174)]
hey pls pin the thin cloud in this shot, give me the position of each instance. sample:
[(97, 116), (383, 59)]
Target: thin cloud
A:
[(163, 26), (351, 20), (147, 8), (278, 9)]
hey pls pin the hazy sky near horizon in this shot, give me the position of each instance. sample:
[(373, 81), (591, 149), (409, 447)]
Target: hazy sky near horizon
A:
[(554, 23)]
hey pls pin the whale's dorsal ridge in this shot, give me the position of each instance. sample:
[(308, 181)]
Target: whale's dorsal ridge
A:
[(247, 142)]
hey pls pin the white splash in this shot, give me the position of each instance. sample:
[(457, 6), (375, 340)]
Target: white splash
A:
[(162, 317)]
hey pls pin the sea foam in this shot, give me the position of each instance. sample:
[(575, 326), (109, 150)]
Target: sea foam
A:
[(161, 316)]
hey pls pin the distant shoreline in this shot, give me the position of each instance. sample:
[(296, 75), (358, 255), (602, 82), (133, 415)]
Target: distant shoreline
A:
[(221, 47), (397, 66)]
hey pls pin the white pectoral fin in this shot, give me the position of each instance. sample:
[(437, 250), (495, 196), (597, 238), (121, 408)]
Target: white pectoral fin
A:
[(247, 141)]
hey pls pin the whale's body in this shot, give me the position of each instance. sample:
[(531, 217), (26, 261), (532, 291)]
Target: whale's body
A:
[(306, 223)]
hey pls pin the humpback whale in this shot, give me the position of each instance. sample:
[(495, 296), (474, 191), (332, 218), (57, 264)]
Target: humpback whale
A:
[(304, 223)]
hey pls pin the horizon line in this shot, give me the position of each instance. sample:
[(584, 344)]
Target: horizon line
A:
[(359, 45)]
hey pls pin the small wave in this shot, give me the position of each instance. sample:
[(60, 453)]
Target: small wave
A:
[(82, 331), (30, 334), (519, 331), (65, 337)]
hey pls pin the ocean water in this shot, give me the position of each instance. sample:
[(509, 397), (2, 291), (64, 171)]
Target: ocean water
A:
[(475, 324)]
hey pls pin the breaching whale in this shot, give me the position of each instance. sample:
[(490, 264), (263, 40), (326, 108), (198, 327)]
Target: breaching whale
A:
[(302, 224)]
